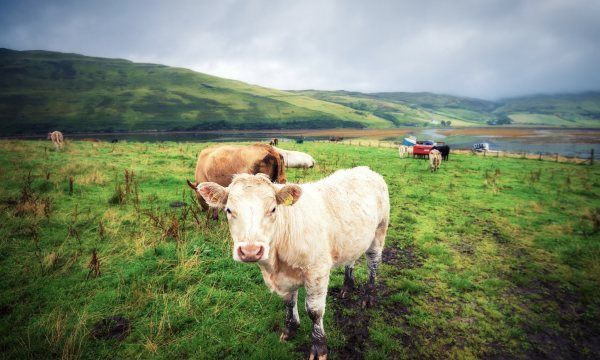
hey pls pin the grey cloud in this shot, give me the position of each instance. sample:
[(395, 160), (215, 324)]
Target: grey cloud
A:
[(486, 49)]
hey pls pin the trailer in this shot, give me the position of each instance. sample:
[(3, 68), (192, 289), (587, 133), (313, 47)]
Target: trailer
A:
[(422, 151)]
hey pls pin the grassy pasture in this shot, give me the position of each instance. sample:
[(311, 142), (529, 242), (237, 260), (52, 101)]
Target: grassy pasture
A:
[(488, 257)]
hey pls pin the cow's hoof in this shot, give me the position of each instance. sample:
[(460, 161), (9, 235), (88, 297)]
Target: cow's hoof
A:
[(283, 337), (321, 357), (345, 293), (287, 335), (318, 351), (368, 301)]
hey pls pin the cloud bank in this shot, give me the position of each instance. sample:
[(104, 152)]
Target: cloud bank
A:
[(488, 49)]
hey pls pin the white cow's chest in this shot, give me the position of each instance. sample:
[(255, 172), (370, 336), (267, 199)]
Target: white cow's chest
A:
[(282, 280)]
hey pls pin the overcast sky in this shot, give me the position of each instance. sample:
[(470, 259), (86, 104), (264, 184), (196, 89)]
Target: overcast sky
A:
[(487, 49)]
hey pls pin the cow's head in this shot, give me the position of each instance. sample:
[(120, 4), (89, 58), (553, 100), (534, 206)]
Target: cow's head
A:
[(253, 205)]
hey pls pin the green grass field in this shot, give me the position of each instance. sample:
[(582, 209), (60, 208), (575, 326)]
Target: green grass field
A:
[(487, 258)]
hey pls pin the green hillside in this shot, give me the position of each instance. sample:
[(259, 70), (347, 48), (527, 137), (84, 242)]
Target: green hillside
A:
[(394, 109), (581, 109), (41, 90), (424, 108), (467, 109)]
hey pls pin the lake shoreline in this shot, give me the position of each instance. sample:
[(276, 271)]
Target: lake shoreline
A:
[(513, 131)]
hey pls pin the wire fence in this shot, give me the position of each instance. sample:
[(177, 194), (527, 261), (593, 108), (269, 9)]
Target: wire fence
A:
[(582, 157)]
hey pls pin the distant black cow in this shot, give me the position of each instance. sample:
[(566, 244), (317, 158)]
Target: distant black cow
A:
[(444, 150)]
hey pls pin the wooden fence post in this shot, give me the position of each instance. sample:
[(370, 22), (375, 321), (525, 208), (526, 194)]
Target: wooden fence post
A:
[(592, 157), (556, 157), (540, 159)]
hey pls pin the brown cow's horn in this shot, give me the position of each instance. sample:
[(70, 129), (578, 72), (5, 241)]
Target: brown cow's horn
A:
[(192, 185)]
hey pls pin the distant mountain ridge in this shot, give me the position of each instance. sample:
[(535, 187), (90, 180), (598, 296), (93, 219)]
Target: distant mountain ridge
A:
[(43, 90)]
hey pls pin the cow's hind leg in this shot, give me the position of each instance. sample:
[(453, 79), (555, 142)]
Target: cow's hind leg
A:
[(292, 319), (348, 286), (316, 293), (373, 260)]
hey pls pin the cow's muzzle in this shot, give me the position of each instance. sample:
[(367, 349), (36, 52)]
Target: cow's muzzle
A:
[(250, 252)]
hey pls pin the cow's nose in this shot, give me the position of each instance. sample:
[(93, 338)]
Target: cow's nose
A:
[(251, 253)]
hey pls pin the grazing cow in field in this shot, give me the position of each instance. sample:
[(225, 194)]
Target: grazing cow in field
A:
[(57, 139), (480, 147), (402, 150), (435, 159), (335, 138), (298, 233), (219, 164), (274, 142), (444, 150), (296, 159)]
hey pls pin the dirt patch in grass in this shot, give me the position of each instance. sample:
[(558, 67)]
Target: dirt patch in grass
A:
[(557, 321), (114, 327), (353, 321), (406, 258), (556, 324)]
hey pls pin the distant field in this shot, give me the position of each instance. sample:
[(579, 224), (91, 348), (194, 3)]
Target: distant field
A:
[(487, 258), (552, 120)]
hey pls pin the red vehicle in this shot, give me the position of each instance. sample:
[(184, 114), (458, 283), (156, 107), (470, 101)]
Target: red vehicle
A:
[(421, 150)]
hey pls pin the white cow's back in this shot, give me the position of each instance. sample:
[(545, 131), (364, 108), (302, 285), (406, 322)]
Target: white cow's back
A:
[(296, 159), (335, 219)]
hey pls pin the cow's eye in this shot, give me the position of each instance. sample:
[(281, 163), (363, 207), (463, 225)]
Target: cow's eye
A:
[(228, 210), (273, 210)]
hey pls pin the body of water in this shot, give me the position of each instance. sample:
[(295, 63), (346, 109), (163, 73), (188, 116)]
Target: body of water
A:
[(567, 142)]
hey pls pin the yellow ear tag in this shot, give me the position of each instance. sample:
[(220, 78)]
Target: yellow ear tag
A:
[(289, 200)]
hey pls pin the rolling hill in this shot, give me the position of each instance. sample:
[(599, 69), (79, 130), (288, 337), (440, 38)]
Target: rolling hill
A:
[(41, 90), (404, 108), (582, 109), (44, 90)]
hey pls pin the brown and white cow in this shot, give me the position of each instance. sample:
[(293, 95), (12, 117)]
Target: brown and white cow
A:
[(435, 159), (219, 164), (298, 233), (57, 139)]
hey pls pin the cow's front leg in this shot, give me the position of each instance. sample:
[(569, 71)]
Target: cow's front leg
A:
[(316, 294), (292, 319)]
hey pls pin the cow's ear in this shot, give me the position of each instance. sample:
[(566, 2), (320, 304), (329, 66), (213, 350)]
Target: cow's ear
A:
[(214, 194), (288, 195)]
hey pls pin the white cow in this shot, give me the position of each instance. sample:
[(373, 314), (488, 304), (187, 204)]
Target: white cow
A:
[(401, 150), (435, 159), (298, 233), (57, 139), (296, 159)]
